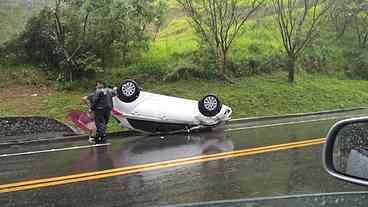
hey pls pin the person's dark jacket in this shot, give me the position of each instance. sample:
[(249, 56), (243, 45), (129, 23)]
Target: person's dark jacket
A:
[(102, 99)]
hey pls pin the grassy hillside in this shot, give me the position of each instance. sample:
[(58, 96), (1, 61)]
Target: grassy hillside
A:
[(258, 41), (255, 96), (15, 13)]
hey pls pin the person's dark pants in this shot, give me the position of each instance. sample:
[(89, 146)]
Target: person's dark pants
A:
[(102, 117)]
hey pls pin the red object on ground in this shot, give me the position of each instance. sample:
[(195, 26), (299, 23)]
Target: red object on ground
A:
[(83, 120), (116, 112)]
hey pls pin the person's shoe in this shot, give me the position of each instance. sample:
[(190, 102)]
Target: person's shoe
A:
[(99, 140), (103, 140), (92, 140)]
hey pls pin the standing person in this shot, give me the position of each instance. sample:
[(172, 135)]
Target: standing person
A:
[(101, 105)]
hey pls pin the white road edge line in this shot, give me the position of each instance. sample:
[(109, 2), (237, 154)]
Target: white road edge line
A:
[(227, 130), (288, 123), (54, 150)]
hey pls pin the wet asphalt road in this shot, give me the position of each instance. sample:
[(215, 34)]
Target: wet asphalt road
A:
[(295, 171)]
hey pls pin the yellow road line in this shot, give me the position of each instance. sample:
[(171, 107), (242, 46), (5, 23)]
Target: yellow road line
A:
[(153, 164), (19, 186)]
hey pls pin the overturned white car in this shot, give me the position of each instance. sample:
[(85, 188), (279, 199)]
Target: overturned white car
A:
[(153, 113)]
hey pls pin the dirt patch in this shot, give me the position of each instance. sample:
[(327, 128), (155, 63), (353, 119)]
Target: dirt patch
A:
[(20, 91), (22, 100)]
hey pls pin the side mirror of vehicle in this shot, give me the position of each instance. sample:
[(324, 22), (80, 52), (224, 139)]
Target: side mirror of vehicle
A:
[(345, 154)]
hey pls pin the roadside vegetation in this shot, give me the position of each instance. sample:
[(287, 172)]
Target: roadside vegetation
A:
[(259, 60)]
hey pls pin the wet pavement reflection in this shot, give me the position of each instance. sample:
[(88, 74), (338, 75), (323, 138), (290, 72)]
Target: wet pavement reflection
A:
[(119, 154), (143, 150), (270, 174)]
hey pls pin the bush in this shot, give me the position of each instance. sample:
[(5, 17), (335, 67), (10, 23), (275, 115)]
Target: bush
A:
[(359, 65), (181, 67), (141, 72), (199, 64), (188, 70), (79, 85), (114, 34), (256, 65), (322, 58), (22, 75)]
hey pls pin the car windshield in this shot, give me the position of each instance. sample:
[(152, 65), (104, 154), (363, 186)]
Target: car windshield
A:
[(180, 102)]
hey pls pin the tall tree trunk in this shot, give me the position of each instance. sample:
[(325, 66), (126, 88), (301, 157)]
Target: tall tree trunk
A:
[(68, 74), (69, 69), (222, 63), (291, 68), (103, 62), (71, 75), (65, 75)]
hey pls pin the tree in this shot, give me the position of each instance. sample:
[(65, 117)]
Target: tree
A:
[(351, 14), (298, 23), (340, 16), (359, 15), (33, 45), (218, 23), (79, 37), (62, 37), (356, 14), (130, 23)]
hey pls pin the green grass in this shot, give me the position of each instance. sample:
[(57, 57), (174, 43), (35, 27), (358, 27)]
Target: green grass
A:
[(255, 96), (174, 3), (55, 104), (270, 95), (21, 75), (259, 38), (175, 39)]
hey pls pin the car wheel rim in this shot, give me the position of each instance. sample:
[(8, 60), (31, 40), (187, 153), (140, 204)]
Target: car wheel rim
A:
[(210, 103), (128, 89)]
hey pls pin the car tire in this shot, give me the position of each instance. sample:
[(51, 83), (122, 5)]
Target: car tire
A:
[(128, 91), (209, 105)]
